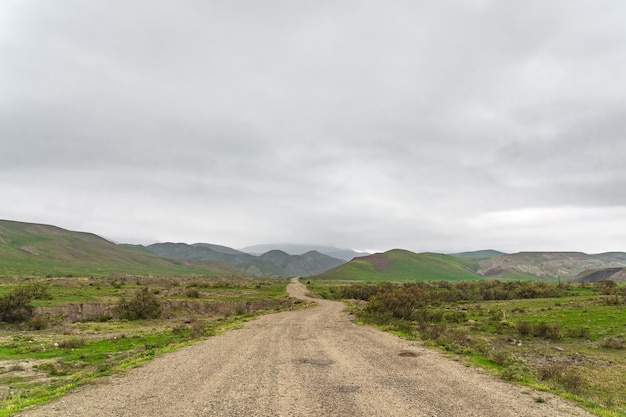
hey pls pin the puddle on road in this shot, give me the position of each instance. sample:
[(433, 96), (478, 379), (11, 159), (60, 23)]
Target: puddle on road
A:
[(349, 388)]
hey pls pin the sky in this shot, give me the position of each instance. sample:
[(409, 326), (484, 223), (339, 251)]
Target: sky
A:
[(441, 126)]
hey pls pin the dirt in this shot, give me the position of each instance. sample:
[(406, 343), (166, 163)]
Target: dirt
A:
[(313, 362)]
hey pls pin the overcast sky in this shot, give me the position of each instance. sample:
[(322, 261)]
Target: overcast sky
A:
[(431, 126)]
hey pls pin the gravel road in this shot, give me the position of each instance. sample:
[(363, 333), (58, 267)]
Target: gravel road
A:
[(313, 362)]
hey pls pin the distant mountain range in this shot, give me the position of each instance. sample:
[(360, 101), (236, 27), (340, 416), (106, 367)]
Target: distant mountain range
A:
[(36, 249), (275, 262), (294, 249)]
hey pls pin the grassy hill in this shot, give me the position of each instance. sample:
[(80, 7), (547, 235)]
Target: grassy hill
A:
[(37, 249), (403, 265)]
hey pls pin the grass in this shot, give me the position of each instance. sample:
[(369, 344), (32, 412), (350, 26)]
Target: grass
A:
[(39, 365), (573, 345)]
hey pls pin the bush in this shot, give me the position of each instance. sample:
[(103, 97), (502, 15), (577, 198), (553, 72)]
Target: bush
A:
[(15, 307), (615, 342), (38, 322), (583, 332), (71, 343), (524, 328), (143, 305), (192, 293)]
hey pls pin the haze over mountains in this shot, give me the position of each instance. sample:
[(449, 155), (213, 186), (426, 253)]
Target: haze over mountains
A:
[(35, 249)]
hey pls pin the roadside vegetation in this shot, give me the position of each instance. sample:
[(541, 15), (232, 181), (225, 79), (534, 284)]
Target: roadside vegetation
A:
[(59, 333), (569, 339)]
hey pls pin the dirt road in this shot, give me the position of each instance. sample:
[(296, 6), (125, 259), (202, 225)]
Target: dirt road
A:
[(313, 362)]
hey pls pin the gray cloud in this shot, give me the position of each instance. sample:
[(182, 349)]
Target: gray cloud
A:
[(367, 125)]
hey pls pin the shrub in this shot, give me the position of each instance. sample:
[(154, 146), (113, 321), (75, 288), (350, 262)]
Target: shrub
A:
[(568, 377), (583, 332), (192, 293), (501, 356), (615, 342), (143, 305), (540, 329), (71, 343), (38, 322), (524, 328), (15, 307)]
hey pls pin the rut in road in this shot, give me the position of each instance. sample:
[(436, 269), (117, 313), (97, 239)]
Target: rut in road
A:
[(313, 362)]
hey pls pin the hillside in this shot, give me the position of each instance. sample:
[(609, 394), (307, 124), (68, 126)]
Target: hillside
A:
[(402, 265), (547, 265), (37, 249), (610, 274)]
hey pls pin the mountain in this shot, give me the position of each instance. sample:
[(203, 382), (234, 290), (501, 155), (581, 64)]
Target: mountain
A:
[(548, 265), (296, 249), (479, 255), (37, 249), (244, 262), (274, 263), (403, 265), (307, 264)]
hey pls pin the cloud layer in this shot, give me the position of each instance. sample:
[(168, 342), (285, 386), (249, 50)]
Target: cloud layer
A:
[(448, 126)]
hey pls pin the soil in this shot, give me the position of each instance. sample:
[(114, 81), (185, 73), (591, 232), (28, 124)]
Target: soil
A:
[(313, 362)]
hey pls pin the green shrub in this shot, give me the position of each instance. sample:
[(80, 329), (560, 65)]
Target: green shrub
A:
[(39, 322), (524, 328), (143, 305), (566, 376), (583, 332), (71, 343), (15, 307), (192, 293)]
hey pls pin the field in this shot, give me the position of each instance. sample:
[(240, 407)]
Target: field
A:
[(73, 330), (566, 339)]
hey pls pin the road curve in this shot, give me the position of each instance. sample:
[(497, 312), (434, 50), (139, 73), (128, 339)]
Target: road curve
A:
[(313, 362)]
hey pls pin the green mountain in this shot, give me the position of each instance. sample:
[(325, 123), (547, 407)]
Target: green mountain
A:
[(37, 249), (244, 262), (307, 264), (403, 265)]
